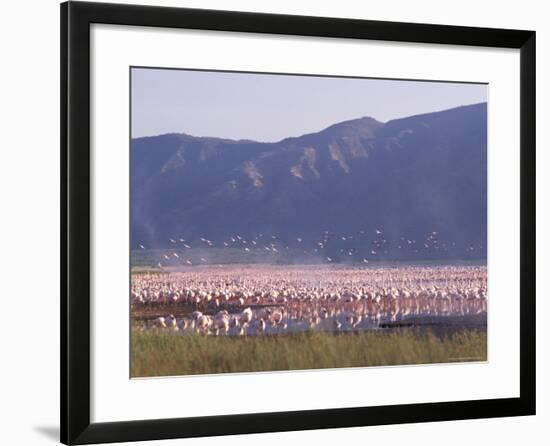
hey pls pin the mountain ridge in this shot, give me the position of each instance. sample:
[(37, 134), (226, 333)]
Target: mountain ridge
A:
[(347, 121), (408, 175)]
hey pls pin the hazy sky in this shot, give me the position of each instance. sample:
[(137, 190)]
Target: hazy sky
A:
[(265, 107)]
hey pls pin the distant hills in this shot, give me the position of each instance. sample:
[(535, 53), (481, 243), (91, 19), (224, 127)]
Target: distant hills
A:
[(411, 188)]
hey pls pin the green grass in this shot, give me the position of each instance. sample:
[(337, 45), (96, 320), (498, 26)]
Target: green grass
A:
[(163, 354)]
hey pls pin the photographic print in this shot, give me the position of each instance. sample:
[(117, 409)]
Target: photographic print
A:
[(292, 222)]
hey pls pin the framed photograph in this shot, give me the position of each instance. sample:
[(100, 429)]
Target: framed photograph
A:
[(275, 223)]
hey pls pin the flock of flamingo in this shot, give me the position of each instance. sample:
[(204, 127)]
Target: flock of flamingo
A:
[(239, 300), (324, 247)]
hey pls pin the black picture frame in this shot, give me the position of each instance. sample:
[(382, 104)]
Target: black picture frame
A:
[(76, 18)]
